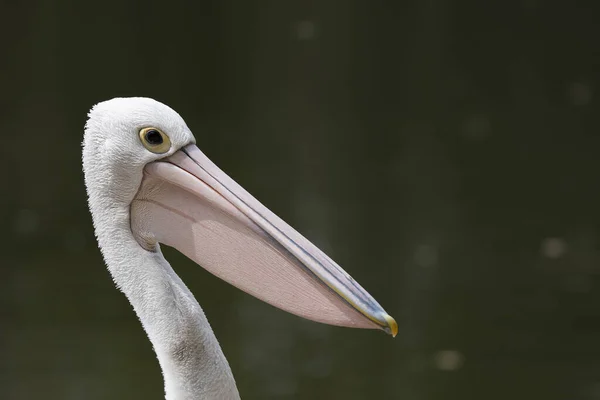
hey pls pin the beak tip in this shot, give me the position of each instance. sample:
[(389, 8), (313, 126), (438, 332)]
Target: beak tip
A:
[(392, 326)]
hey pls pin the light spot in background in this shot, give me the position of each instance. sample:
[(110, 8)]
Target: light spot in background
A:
[(448, 360), (306, 30), (592, 391), (426, 256), (579, 93), (26, 222), (477, 127), (553, 247)]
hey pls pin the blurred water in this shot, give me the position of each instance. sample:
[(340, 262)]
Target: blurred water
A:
[(443, 152)]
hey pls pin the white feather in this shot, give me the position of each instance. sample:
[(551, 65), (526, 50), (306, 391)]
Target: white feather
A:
[(189, 354)]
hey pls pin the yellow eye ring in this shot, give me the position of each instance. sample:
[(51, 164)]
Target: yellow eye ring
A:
[(155, 140)]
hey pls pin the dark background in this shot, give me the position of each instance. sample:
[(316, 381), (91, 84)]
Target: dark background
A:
[(443, 152)]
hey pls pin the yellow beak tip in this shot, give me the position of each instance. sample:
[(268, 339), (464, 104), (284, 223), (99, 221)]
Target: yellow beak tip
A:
[(392, 325)]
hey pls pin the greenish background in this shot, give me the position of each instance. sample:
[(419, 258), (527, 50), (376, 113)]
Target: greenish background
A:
[(445, 153)]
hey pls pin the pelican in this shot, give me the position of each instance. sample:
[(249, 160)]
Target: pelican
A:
[(147, 183)]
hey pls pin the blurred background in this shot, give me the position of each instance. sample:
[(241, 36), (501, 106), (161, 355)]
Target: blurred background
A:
[(444, 152)]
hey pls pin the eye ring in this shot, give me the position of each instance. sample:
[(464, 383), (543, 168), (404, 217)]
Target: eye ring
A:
[(154, 140)]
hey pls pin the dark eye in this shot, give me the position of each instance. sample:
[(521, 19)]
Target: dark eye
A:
[(155, 140), (154, 137)]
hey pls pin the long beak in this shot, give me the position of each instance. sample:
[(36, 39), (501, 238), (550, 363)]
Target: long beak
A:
[(186, 202)]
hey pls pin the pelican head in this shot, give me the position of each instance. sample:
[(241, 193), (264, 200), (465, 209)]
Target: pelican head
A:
[(145, 175)]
